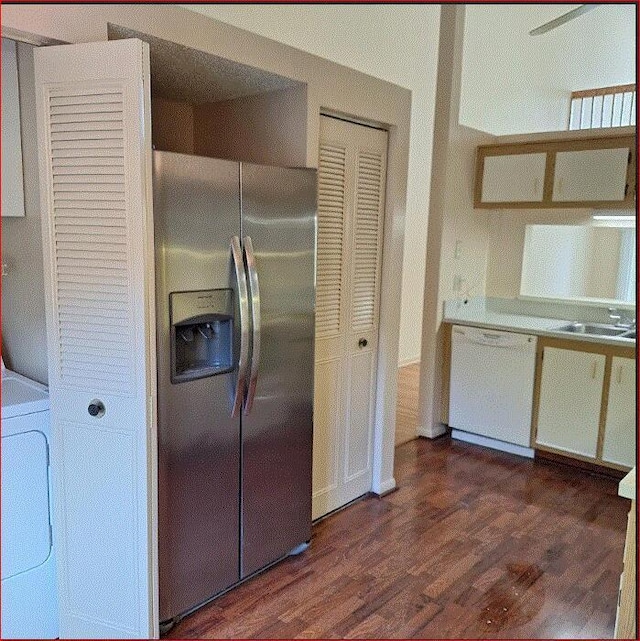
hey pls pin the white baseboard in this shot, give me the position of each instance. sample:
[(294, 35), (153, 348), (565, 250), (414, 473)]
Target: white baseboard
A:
[(408, 361), (385, 487), (434, 431), (493, 443)]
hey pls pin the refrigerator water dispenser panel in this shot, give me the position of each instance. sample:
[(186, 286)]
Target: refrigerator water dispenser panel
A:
[(201, 334)]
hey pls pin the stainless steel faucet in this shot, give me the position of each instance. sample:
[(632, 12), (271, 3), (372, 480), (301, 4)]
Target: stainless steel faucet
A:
[(620, 318)]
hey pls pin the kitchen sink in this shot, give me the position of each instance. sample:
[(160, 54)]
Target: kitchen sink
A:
[(597, 329)]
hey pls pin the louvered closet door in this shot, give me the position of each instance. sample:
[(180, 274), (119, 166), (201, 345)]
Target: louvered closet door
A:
[(94, 139), (351, 180)]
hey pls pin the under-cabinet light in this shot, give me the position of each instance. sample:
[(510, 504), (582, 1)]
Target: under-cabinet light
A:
[(619, 218)]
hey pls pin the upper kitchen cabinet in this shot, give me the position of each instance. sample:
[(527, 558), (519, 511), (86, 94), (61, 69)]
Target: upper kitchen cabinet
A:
[(566, 173), (513, 178), (591, 175)]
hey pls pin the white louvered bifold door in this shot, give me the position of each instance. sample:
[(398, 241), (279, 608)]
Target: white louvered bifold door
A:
[(351, 181), (93, 105)]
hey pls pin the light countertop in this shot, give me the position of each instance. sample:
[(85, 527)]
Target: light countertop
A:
[(526, 317), (627, 486)]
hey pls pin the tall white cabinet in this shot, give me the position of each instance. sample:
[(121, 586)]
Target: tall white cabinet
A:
[(93, 112)]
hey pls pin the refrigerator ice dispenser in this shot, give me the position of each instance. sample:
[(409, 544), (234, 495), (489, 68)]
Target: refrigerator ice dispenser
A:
[(201, 334)]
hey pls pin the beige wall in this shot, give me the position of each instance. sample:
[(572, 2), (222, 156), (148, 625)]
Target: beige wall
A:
[(172, 125), (268, 128), (463, 251), (463, 259), (506, 227), (527, 84), (571, 261), (453, 222), (330, 87), (506, 244), (601, 276), (24, 343), (397, 43), (489, 243)]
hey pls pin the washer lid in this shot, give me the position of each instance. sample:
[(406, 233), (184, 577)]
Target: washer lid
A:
[(21, 395)]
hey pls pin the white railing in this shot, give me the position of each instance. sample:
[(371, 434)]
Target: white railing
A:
[(604, 107)]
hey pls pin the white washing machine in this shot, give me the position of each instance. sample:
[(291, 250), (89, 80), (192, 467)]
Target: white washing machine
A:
[(29, 595)]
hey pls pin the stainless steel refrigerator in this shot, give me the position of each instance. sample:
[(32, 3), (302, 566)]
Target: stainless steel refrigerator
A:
[(235, 264)]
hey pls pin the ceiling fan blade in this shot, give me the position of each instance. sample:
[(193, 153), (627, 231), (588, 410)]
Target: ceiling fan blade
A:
[(565, 17)]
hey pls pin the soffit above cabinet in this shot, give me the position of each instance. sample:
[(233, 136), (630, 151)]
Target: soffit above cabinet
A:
[(182, 73)]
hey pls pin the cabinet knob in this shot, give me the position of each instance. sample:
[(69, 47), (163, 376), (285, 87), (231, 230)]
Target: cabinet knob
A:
[(362, 343), (96, 408)]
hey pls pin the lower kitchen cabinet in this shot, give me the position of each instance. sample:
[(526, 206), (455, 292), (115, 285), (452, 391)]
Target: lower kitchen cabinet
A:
[(585, 402), (620, 427), (570, 400)]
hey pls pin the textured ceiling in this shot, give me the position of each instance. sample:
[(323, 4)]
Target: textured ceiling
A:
[(185, 74)]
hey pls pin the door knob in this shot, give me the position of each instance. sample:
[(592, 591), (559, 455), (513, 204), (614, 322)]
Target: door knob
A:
[(362, 343), (96, 408)]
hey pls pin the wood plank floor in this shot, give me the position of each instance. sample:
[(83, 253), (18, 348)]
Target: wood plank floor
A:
[(407, 406), (473, 544)]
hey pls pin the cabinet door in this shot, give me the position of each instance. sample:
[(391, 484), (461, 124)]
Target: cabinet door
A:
[(351, 184), (591, 175), (619, 444), (570, 400), (94, 139), (513, 178)]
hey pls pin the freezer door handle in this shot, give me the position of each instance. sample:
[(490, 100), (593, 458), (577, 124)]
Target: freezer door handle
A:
[(254, 293), (243, 303)]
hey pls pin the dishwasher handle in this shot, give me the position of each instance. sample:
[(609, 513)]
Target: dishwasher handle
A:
[(491, 338)]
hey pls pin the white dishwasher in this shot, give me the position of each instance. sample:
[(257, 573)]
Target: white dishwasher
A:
[(491, 388)]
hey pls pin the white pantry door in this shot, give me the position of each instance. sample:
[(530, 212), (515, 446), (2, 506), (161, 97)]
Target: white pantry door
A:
[(351, 185), (93, 103)]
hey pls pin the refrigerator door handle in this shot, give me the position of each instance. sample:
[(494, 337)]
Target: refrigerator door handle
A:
[(254, 290), (243, 300)]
